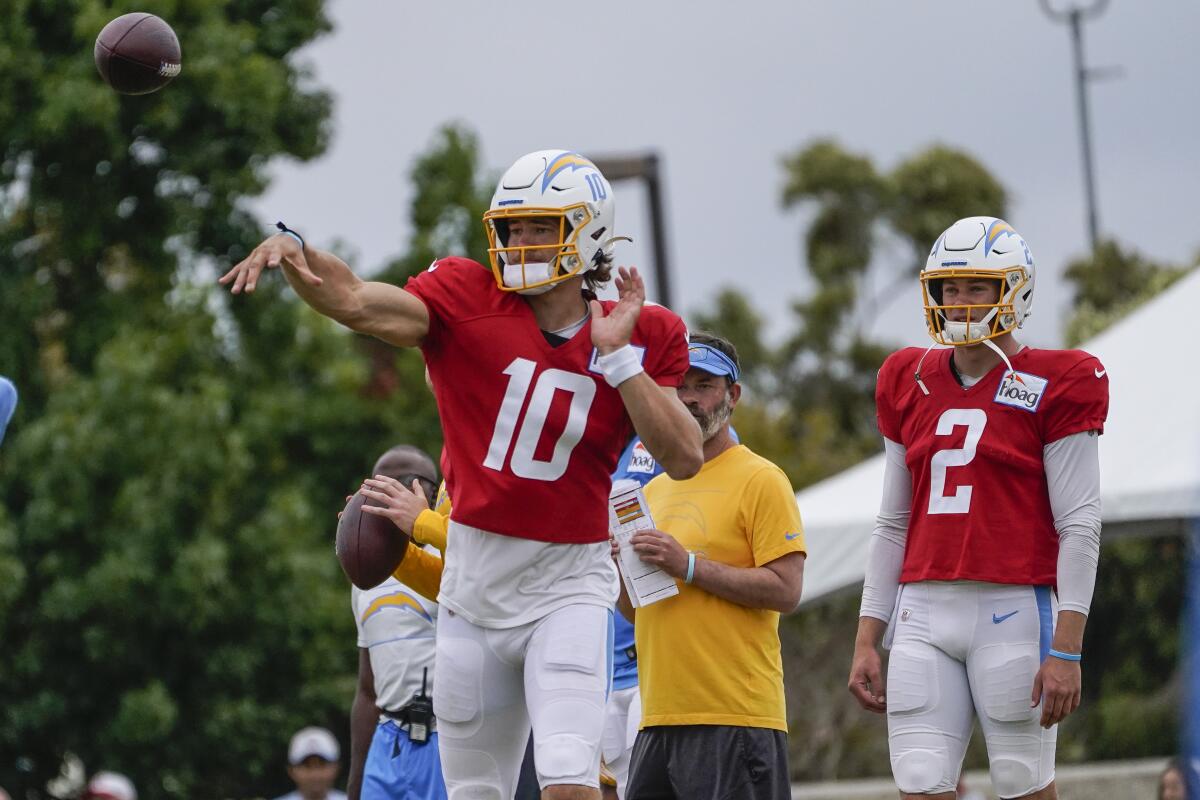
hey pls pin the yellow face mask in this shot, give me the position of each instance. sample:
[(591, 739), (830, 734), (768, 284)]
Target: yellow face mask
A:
[(535, 268), (983, 321)]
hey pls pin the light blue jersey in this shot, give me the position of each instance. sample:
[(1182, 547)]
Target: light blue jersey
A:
[(8, 403)]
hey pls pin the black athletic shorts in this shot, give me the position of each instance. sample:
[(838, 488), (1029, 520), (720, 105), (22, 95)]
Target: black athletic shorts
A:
[(709, 762)]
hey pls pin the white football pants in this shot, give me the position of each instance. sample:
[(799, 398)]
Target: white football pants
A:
[(492, 684), (962, 650)]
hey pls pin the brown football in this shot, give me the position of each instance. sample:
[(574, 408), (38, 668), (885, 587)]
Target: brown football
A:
[(137, 53), (369, 547)]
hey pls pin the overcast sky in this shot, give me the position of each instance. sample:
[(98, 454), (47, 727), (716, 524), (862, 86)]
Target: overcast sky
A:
[(723, 91)]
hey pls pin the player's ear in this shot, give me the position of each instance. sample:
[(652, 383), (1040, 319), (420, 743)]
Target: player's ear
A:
[(735, 394)]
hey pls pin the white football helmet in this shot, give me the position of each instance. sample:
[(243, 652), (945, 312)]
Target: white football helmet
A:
[(560, 185), (979, 247)]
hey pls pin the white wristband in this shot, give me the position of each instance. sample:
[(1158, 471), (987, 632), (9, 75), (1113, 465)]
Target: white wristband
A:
[(620, 365)]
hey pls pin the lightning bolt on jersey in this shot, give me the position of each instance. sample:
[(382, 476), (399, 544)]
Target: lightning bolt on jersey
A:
[(397, 628), (980, 504), (532, 431)]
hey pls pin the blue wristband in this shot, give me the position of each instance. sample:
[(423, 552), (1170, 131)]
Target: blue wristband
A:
[(1066, 656), (286, 231), (691, 573)]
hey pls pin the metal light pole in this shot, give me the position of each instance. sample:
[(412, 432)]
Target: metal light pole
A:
[(1074, 14), (645, 167)]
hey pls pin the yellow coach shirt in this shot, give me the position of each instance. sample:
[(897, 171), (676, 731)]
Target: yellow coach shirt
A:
[(703, 660)]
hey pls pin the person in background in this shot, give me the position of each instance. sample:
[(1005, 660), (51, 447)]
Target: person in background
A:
[(709, 661), (105, 786), (623, 716), (1171, 783), (313, 760), (393, 735), (965, 792), (8, 403)]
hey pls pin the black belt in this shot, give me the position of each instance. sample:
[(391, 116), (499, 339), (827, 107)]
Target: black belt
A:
[(400, 716)]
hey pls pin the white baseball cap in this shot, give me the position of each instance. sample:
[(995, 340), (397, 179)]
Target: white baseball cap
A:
[(313, 741), (110, 786)]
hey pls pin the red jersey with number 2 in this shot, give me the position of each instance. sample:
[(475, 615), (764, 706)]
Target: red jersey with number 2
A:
[(532, 431), (980, 505)]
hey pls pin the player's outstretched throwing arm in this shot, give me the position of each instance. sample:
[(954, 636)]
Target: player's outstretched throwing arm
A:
[(669, 432), (327, 284)]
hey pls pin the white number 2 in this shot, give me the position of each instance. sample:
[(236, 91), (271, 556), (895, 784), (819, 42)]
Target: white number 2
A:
[(975, 419), (523, 464)]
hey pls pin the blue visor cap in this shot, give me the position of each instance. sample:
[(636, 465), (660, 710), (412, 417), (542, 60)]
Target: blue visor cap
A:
[(712, 361)]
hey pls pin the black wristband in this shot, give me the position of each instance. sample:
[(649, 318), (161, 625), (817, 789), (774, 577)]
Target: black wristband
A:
[(285, 229)]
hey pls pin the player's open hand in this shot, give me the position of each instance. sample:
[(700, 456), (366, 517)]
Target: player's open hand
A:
[(1058, 687), (866, 679), (661, 550), (272, 253), (401, 504), (614, 331)]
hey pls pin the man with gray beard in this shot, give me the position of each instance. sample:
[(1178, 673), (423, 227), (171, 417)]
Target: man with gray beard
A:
[(709, 659)]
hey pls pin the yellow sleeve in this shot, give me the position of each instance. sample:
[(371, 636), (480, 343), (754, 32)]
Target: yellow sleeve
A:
[(430, 528), (442, 504), (771, 516), (420, 571)]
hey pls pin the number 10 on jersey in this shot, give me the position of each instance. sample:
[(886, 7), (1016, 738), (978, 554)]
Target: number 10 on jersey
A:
[(528, 428)]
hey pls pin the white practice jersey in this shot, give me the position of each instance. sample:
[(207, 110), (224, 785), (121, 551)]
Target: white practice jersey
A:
[(497, 581), (397, 627)]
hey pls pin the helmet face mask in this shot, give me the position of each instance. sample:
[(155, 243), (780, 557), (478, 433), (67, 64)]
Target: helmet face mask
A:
[(549, 184), (523, 268), (978, 249)]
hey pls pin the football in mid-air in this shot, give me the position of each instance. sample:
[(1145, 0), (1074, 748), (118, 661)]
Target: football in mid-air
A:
[(369, 547), (137, 53)]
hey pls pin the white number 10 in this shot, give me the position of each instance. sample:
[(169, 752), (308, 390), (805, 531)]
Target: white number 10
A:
[(975, 419), (522, 463)]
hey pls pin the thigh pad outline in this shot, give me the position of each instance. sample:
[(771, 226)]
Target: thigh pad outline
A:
[(911, 681), (1005, 678), (458, 688)]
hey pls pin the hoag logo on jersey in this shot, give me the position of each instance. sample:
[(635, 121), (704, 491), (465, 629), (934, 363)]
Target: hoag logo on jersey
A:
[(1021, 390), (640, 460)]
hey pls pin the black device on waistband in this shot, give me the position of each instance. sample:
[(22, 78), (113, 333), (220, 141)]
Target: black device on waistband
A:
[(419, 712)]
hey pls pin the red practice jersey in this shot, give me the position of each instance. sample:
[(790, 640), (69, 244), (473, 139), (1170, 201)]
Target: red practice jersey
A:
[(980, 505), (532, 431)]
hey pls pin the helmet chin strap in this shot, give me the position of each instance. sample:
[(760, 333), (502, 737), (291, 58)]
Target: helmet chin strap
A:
[(996, 349), (917, 374)]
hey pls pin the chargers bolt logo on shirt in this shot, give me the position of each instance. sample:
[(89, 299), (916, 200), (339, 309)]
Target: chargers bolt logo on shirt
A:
[(1021, 390), (640, 460)]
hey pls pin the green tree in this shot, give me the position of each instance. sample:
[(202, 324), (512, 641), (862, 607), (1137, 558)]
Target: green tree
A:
[(107, 204), (169, 605), (447, 213), (1112, 282), (104, 196)]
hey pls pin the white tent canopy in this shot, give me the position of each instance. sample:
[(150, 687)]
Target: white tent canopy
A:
[(1149, 455)]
